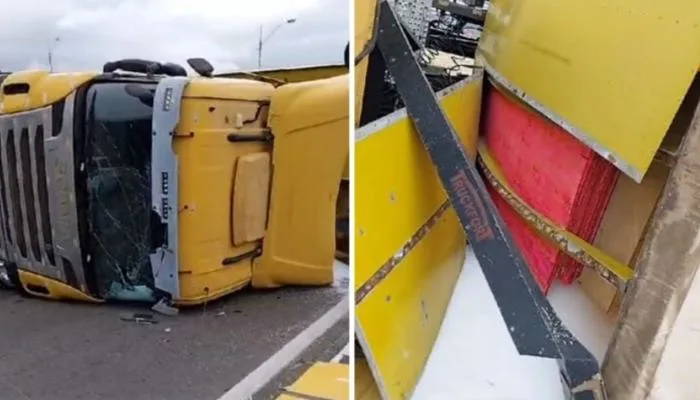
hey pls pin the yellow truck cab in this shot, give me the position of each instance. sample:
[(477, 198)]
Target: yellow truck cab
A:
[(142, 183)]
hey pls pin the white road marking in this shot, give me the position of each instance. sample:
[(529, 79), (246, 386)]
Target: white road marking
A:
[(342, 353), (256, 380)]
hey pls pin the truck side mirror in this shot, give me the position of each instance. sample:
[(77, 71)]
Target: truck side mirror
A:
[(201, 66)]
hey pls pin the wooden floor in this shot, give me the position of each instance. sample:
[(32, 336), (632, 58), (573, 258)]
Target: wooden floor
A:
[(365, 388)]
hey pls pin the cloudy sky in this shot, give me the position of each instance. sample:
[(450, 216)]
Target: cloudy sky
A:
[(91, 32)]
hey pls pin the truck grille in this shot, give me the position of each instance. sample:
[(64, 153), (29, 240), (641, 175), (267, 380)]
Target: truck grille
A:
[(26, 233), (25, 211)]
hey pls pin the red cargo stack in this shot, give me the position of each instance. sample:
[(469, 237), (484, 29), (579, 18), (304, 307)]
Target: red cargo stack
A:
[(554, 173)]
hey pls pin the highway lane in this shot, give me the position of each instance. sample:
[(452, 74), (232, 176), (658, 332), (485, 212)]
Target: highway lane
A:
[(53, 351)]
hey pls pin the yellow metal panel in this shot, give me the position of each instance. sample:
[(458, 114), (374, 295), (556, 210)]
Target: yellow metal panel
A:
[(47, 288), (612, 73), (251, 192), (321, 381), (207, 165), (45, 89), (310, 124), (403, 291), (228, 88), (398, 321), (298, 74), (398, 188)]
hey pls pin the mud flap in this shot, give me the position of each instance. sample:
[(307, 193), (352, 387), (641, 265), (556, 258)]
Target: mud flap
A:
[(534, 326)]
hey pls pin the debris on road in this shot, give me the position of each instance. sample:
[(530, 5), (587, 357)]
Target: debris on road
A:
[(139, 318)]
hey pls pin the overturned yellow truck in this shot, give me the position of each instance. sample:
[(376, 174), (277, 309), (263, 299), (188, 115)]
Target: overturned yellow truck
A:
[(142, 183)]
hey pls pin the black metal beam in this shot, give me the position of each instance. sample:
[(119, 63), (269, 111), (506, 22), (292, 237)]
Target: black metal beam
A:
[(534, 327)]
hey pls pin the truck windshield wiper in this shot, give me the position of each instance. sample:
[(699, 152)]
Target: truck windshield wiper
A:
[(144, 95)]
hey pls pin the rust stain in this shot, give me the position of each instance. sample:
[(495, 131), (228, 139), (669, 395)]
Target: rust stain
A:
[(392, 262)]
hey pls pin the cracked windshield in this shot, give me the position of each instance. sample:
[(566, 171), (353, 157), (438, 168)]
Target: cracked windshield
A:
[(118, 164)]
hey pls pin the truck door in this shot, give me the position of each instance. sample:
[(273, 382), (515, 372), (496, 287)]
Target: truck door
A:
[(309, 122)]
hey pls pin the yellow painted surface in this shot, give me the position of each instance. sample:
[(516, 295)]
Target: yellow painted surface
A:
[(323, 380), (310, 123), (397, 191), (397, 186), (227, 89), (615, 71), (31, 283), (207, 167), (400, 319), (365, 18), (365, 387), (251, 192), (298, 74), (45, 89)]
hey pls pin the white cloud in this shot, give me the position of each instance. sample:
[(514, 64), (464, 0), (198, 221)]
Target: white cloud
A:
[(92, 32)]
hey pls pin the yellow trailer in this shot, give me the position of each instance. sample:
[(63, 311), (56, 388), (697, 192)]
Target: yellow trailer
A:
[(290, 75)]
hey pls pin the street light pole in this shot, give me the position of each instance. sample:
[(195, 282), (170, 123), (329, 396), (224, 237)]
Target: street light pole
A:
[(262, 41), (50, 49), (260, 44)]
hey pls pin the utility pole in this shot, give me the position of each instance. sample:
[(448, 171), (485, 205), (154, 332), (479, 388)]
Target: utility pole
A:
[(262, 40), (50, 51), (260, 44)]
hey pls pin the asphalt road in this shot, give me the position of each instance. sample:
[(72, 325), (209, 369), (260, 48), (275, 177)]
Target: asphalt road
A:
[(54, 351), (324, 349)]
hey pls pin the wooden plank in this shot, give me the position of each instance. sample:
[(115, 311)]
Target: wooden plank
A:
[(622, 228)]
